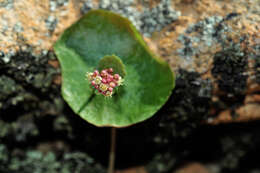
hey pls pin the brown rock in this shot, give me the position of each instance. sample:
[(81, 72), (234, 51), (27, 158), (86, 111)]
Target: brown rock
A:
[(193, 168), (133, 170), (244, 113)]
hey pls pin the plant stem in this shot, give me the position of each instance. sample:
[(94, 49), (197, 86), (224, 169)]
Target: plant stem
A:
[(112, 151)]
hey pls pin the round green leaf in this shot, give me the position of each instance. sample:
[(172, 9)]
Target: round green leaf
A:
[(112, 61), (147, 85)]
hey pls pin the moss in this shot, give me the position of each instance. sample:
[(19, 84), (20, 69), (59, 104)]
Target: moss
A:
[(26, 79), (182, 115), (6, 129), (229, 69), (234, 149), (26, 91), (30, 70), (35, 161), (189, 103), (32, 112), (3, 156), (257, 66), (8, 87)]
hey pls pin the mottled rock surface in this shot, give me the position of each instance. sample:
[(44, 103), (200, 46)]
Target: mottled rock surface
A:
[(212, 45)]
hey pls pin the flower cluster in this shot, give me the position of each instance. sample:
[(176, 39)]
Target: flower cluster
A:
[(105, 81)]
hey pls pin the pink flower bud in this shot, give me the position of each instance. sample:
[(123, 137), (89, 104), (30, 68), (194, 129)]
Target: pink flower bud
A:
[(112, 84), (104, 80), (104, 72), (104, 93), (109, 80), (93, 83), (102, 75), (116, 76), (110, 89), (96, 73), (110, 77), (110, 70)]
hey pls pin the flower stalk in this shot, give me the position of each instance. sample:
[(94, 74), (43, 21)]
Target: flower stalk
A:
[(111, 165)]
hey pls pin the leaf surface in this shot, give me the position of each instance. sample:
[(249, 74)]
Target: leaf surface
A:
[(147, 84)]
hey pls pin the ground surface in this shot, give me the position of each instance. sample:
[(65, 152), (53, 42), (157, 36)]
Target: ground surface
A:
[(210, 123)]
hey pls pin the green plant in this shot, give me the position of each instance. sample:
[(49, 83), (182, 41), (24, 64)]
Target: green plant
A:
[(102, 40)]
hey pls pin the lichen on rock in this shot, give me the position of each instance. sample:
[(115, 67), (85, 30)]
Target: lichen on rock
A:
[(36, 161)]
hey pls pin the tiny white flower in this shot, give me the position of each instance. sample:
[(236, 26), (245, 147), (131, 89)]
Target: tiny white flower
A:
[(89, 76), (108, 94), (97, 80), (103, 87), (120, 81)]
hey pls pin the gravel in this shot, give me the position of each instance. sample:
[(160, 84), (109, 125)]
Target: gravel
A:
[(7, 4), (18, 27), (87, 5), (6, 57), (207, 32), (51, 23), (158, 17), (146, 21), (124, 8), (54, 4)]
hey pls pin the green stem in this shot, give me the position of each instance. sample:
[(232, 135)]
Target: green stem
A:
[(111, 166)]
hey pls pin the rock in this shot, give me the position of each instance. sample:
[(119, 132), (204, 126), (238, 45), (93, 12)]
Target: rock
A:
[(213, 47), (133, 170), (193, 168), (35, 161)]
